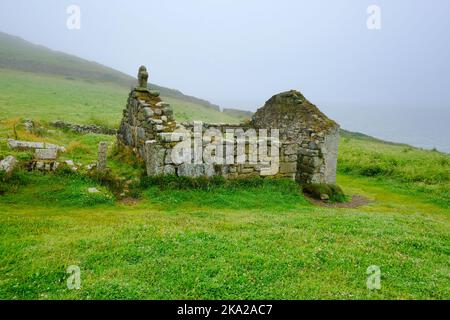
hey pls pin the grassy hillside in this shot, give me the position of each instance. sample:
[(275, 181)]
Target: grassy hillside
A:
[(239, 114), (18, 54), (51, 97), (47, 81)]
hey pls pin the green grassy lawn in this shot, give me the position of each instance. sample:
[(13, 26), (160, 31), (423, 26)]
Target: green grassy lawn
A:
[(52, 97), (249, 243)]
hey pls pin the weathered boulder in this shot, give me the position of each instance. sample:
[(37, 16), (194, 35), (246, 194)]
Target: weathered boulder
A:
[(93, 190), (8, 164), (31, 145), (46, 154)]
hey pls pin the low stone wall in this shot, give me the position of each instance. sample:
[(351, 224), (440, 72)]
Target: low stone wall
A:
[(239, 157), (45, 154), (31, 145), (83, 129)]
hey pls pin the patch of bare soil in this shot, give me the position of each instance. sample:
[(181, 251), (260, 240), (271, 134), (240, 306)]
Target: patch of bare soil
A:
[(129, 201), (355, 202)]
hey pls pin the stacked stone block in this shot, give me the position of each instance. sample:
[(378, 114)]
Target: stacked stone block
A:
[(311, 133), (45, 154), (144, 117)]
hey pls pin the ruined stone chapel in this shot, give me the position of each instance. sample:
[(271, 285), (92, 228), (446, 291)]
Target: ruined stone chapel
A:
[(304, 148)]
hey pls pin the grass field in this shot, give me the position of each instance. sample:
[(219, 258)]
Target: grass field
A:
[(52, 97), (248, 242)]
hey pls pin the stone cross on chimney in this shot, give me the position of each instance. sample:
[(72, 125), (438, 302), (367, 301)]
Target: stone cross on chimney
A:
[(143, 77)]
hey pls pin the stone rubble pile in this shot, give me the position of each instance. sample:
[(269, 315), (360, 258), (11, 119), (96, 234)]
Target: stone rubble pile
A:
[(45, 154)]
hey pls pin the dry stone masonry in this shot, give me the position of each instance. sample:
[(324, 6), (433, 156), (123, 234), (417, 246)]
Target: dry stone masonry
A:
[(45, 154), (305, 144), (83, 129), (102, 155), (31, 145), (312, 136)]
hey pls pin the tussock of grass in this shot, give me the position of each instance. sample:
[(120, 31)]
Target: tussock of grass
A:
[(173, 182), (10, 182), (256, 193), (76, 147), (334, 192), (63, 189), (109, 180)]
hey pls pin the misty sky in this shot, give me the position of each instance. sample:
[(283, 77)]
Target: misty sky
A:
[(239, 53)]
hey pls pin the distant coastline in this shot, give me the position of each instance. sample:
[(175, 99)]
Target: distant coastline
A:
[(426, 129)]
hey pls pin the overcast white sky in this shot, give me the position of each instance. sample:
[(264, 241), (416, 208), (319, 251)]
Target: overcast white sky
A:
[(239, 53)]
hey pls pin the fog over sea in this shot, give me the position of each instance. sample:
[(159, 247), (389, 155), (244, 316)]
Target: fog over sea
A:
[(426, 128)]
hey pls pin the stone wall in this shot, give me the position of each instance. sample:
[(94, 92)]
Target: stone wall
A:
[(45, 154), (148, 127), (145, 117), (82, 128), (314, 136), (305, 150)]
